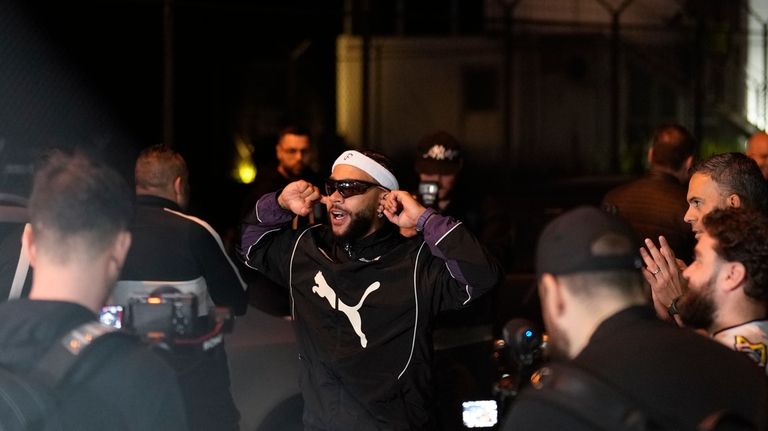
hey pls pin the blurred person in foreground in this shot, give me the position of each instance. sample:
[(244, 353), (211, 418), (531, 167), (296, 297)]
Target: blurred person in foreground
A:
[(77, 243), (363, 296), (615, 365), (655, 204), (727, 292), (171, 248), (757, 150), (728, 180)]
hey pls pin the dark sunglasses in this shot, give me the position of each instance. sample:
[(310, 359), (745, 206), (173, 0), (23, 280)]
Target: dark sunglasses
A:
[(349, 188)]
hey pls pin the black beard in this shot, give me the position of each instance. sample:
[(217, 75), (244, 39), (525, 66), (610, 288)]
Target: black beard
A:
[(697, 308), (359, 225)]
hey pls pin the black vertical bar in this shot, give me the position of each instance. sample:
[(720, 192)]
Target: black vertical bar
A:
[(615, 103), (698, 82), (168, 115), (506, 88), (365, 97)]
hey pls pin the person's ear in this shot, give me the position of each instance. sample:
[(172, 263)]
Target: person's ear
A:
[(180, 191), (551, 295), (735, 275), (118, 252), (650, 156), (733, 201), (688, 163), (28, 245)]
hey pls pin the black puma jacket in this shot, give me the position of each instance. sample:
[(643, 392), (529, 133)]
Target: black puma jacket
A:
[(363, 311)]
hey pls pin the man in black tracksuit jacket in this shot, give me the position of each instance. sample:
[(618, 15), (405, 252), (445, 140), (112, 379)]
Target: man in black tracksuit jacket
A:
[(171, 248), (363, 296)]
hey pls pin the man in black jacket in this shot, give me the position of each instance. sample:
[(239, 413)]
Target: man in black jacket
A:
[(620, 357), (77, 244), (173, 248), (655, 204), (363, 296)]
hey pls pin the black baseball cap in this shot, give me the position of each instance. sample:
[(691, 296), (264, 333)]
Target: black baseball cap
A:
[(438, 153), (586, 239)]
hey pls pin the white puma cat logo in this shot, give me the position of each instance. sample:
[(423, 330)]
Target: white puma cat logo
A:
[(325, 291)]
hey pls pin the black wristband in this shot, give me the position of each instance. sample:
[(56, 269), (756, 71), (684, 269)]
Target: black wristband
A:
[(672, 309)]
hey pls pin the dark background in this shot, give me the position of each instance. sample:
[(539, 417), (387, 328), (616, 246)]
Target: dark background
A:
[(92, 74)]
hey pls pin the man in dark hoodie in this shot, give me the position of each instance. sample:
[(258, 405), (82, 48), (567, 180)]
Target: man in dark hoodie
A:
[(77, 244)]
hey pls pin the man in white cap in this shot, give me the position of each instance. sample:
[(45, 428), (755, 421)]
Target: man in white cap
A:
[(363, 296)]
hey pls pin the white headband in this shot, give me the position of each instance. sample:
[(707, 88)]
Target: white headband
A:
[(369, 166)]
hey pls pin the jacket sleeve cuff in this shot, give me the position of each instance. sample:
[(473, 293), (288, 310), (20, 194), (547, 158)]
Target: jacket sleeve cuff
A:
[(429, 212), (268, 211)]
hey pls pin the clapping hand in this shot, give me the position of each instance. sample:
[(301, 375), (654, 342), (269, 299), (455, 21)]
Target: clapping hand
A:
[(664, 273)]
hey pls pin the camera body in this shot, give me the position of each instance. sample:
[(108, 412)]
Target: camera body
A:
[(169, 317), (166, 315)]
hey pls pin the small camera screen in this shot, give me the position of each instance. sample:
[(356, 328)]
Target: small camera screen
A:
[(112, 315), (480, 414)]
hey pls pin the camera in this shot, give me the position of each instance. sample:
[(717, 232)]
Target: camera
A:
[(428, 193), (164, 315), (170, 318)]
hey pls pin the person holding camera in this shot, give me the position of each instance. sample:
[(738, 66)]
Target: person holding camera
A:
[(615, 365), (440, 165), (363, 296), (173, 249), (77, 243), (461, 337)]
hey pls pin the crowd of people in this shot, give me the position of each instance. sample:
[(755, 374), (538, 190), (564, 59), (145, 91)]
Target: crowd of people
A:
[(655, 304)]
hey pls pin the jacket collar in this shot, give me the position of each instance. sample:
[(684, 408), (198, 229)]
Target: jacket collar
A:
[(157, 201), (369, 248), (663, 176)]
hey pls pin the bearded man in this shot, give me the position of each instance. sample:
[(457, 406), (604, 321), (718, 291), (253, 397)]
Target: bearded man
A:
[(363, 296), (728, 282), (617, 366)]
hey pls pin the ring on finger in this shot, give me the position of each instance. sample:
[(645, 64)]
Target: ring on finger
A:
[(658, 270)]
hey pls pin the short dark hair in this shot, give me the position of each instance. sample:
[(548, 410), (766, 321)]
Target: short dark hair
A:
[(588, 284), (74, 196), (158, 166), (742, 236), (293, 129), (672, 144), (735, 173)]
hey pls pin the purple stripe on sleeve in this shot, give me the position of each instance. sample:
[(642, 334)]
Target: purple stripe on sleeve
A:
[(269, 216), (436, 228)]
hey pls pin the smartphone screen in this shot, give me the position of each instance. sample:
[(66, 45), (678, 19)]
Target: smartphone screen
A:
[(112, 315), (480, 414)]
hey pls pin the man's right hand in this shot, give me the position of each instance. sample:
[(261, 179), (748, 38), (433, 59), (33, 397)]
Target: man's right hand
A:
[(664, 273), (298, 197)]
